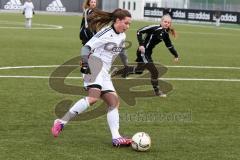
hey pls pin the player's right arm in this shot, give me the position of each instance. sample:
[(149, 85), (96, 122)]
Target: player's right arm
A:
[(24, 8), (85, 51), (141, 40), (100, 39), (144, 30)]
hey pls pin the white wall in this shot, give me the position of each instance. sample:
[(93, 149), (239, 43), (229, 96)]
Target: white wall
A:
[(175, 3), (109, 5), (137, 13)]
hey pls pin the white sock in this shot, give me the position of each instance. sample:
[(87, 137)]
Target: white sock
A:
[(79, 106), (76, 109), (113, 122), (26, 23), (30, 23)]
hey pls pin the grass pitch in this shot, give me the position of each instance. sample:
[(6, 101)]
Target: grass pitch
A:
[(198, 120)]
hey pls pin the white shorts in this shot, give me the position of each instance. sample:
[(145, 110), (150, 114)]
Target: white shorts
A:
[(99, 75), (28, 14)]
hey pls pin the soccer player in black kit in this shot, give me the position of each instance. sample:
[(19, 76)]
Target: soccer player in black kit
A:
[(153, 35), (85, 33), (148, 37)]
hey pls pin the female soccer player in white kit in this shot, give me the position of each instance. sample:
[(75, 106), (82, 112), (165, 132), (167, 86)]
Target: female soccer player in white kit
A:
[(98, 55), (28, 11)]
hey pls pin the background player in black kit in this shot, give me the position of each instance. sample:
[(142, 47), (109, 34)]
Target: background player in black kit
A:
[(153, 35), (148, 37), (85, 33)]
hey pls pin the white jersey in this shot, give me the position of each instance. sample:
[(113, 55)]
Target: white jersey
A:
[(106, 45), (28, 8)]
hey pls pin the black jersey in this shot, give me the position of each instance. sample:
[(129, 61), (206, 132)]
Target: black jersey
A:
[(152, 35), (85, 33)]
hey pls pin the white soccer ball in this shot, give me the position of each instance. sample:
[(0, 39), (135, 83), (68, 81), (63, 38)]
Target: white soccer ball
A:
[(141, 141)]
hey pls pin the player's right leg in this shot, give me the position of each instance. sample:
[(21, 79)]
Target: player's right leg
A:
[(77, 108), (26, 23)]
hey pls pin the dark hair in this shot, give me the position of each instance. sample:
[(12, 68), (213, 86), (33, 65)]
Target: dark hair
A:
[(99, 19)]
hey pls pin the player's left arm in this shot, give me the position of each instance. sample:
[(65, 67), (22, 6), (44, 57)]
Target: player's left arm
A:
[(170, 46), (123, 57), (124, 72)]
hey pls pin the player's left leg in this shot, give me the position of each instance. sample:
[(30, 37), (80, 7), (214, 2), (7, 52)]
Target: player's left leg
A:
[(154, 79), (112, 100), (30, 23)]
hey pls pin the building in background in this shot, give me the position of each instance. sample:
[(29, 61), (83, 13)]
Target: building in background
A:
[(136, 7), (108, 5)]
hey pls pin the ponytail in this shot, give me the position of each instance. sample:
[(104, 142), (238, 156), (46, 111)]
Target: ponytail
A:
[(173, 32)]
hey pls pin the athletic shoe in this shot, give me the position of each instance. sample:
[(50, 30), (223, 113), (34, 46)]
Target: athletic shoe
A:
[(159, 93), (121, 142), (57, 128), (124, 72)]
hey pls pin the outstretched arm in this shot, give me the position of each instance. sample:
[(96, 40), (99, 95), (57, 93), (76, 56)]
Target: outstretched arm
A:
[(170, 46)]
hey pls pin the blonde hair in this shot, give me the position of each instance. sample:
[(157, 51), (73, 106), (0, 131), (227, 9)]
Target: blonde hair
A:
[(86, 4), (171, 29), (99, 19)]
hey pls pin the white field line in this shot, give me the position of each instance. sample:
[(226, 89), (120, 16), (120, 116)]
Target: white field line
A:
[(204, 33), (45, 26), (209, 33), (205, 67), (60, 27), (208, 26), (54, 66), (168, 79), (193, 25), (25, 67)]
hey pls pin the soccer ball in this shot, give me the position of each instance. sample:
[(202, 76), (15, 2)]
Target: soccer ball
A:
[(141, 141)]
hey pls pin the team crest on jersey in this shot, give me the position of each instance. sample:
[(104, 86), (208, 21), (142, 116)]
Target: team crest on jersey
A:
[(113, 47), (117, 49)]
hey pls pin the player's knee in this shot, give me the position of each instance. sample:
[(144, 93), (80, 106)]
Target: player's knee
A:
[(92, 100), (154, 75), (117, 104), (114, 102), (111, 107)]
